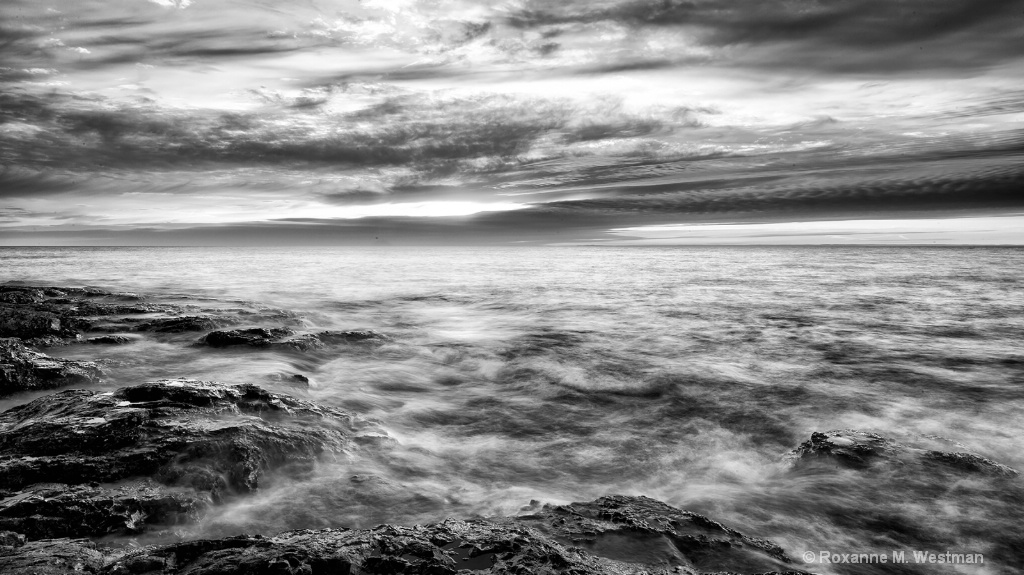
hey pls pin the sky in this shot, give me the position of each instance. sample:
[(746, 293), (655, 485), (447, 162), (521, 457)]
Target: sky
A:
[(617, 122)]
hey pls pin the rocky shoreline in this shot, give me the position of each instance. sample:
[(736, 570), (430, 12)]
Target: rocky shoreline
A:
[(79, 465)]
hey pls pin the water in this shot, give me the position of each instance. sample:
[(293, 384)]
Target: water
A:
[(563, 374)]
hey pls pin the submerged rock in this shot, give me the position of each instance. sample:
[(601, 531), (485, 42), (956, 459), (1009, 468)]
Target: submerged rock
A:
[(24, 369), (860, 450), (207, 440)]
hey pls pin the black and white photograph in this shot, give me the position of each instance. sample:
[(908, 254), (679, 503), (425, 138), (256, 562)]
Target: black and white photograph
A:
[(511, 287)]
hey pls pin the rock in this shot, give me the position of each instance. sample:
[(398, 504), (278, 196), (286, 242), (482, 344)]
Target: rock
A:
[(53, 557), (306, 342), (23, 369), (211, 437), (861, 450), (54, 510), (50, 316), (108, 309), (253, 337), (179, 324), (11, 539), (25, 322), (53, 340), (126, 296), (969, 462), (110, 340), (644, 530), (274, 337), (13, 294), (628, 535), (354, 336), (197, 441)]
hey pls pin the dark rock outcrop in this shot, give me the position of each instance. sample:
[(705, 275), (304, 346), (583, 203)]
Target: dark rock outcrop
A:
[(198, 442), (644, 530), (104, 309), (21, 295), (179, 324), (24, 369), (110, 340), (861, 450), (352, 336), (46, 511), (261, 337), (211, 436), (52, 316), (621, 535), (278, 337), (968, 462), (54, 557), (26, 322), (252, 337)]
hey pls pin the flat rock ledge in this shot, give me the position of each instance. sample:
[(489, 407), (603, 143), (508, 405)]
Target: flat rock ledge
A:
[(262, 337), (154, 454), (854, 449), (620, 534)]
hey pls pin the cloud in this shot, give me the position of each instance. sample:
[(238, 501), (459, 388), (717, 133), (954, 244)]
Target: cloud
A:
[(859, 35), (437, 135), (594, 115), (858, 194)]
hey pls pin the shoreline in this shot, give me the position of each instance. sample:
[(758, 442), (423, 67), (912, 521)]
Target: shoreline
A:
[(159, 455)]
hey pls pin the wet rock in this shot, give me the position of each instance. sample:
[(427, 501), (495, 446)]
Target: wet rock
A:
[(860, 450), (212, 437), (969, 462), (644, 530), (110, 309), (53, 557), (12, 294), (53, 340), (54, 510), (306, 342), (179, 324), (110, 340), (23, 369), (126, 296), (50, 316), (25, 322), (353, 336), (252, 337), (11, 539), (276, 337), (527, 545), (851, 448)]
